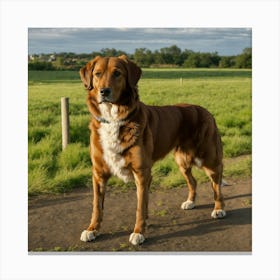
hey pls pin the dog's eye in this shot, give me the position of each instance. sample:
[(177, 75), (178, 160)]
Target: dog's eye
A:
[(116, 74), (97, 74)]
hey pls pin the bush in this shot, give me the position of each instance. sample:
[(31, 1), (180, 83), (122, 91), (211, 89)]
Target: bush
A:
[(40, 66)]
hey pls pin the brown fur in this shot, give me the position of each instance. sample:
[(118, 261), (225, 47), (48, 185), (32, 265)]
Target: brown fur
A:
[(148, 134)]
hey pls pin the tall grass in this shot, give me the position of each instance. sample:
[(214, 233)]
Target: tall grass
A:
[(225, 93)]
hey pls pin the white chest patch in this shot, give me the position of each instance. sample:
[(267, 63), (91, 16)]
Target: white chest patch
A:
[(109, 139)]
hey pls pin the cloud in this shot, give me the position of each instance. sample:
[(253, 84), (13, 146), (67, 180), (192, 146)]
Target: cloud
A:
[(223, 40)]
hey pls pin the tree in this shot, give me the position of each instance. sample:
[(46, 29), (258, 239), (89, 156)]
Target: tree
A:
[(226, 62), (215, 59), (192, 61), (185, 54), (244, 60), (205, 60), (158, 59), (171, 55), (143, 57), (111, 52)]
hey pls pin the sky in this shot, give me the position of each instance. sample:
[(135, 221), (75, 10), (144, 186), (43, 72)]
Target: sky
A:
[(225, 41)]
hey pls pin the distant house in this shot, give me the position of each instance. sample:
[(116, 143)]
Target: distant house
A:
[(31, 57), (52, 57)]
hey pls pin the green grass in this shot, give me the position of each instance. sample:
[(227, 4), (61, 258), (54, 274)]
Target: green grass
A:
[(225, 93), (52, 76)]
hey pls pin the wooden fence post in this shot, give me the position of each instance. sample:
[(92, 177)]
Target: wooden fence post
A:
[(65, 121), (181, 81)]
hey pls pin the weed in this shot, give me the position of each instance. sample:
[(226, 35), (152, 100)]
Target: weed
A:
[(161, 213), (124, 228), (123, 246), (57, 249), (159, 203), (73, 248), (247, 202), (38, 250)]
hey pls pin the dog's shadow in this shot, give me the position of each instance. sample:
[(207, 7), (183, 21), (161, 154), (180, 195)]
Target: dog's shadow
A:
[(242, 216)]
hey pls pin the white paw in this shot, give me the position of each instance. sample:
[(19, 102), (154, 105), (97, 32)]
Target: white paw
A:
[(187, 205), (136, 238), (217, 214), (88, 235)]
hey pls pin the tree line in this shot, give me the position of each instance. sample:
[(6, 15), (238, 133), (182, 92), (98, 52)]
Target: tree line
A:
[(171, 56)]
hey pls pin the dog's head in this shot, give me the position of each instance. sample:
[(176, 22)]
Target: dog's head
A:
[(111, 79)]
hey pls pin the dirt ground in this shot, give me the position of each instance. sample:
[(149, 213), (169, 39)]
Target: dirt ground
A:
[(55, 222)]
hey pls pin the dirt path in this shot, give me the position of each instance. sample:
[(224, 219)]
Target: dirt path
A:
[(55, 222)]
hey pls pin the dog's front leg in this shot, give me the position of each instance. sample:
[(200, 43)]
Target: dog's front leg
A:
[(99, 185), (142, 180)]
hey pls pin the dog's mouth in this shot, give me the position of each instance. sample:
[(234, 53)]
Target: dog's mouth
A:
[(105, 100)]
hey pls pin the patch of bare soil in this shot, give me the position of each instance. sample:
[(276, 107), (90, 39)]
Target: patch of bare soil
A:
[(55, 222)]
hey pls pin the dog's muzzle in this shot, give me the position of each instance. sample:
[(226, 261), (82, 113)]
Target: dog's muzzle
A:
[(105, 95)]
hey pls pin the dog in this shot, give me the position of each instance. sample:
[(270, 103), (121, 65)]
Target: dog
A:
[(127, 137)]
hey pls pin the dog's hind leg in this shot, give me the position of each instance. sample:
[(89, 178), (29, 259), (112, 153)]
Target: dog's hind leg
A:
[(184, 162), (215, 175)]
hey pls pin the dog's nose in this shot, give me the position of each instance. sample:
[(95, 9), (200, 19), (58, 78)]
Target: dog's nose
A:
[(105, 92)]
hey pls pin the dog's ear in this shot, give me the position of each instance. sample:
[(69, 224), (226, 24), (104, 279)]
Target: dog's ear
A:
[(133, 71), (86, 73)]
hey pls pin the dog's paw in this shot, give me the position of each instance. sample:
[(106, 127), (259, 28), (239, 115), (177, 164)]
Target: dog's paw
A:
[(187, 205), (136, 238), (218, 214), (88, 235)]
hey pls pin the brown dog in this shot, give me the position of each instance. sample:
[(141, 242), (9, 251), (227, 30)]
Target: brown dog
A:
[(127, 137)]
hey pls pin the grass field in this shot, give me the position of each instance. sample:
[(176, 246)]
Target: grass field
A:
[(226, 93)]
